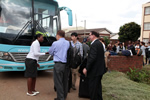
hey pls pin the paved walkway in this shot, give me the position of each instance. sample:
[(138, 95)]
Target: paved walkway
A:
[(13, 87)]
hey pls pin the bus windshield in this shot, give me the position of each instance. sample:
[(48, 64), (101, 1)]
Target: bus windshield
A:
[(14, 15), (16, 18)]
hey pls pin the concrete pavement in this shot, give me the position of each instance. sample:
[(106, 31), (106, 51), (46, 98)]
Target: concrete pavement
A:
[(13, 86)]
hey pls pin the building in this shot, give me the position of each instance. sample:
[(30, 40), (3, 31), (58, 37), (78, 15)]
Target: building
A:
[(72, 28), (145, 26), (114, 38), (85, 33)]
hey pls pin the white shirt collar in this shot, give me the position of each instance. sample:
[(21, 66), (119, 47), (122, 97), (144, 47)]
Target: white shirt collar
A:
[(93, 41)]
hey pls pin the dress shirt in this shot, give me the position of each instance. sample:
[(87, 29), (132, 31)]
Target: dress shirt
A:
[(143, 50), (93, 41), (78, 45), (59, 50), (35, 51)]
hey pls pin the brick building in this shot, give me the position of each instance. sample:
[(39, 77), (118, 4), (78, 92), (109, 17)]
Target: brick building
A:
[(145, 25), (85, 33)]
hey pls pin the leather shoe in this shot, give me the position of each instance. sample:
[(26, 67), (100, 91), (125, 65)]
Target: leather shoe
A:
[(74, 88), (56, 99)]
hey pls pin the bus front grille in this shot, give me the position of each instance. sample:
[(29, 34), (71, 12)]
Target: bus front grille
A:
[(20, 57)]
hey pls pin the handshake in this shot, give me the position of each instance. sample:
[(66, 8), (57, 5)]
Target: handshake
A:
[(46, 52)]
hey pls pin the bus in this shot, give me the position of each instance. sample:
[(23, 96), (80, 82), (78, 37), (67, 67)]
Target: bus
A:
[(20, 21)]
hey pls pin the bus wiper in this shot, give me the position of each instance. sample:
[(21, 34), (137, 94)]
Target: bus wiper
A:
[(21, 31)]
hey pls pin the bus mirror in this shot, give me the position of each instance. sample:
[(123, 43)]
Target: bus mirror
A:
[(69, 12)]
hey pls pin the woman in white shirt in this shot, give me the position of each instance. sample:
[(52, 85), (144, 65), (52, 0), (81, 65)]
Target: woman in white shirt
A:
[(31, 63)]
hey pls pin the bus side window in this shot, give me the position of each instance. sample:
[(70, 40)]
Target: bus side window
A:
[(0, 11)]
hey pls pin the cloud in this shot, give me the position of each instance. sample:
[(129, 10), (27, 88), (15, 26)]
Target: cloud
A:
[(103, 13)]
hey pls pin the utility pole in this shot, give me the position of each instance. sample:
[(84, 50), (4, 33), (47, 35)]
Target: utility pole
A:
[(76, 22), (84, 27)]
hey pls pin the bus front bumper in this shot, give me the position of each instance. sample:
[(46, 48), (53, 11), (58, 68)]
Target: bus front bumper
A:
[(6, 66)]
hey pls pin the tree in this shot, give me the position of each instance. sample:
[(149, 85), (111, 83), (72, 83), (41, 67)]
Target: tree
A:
[(129, 31), (106, 40)]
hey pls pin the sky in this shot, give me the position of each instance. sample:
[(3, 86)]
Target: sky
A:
[(110, 14)]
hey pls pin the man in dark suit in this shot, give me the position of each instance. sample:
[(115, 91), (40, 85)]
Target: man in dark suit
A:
[(95, 67)]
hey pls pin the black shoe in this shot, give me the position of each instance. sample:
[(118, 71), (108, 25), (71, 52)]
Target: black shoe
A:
[(55, 99), (74, 88)]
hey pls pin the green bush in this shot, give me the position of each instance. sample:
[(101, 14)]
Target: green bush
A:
[(139, 75), (106, 40)]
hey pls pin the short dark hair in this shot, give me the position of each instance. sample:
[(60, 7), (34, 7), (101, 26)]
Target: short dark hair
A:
[(37, 36), (120, 43), (61, 33), (143, 43), (95, 33), (74, 34)]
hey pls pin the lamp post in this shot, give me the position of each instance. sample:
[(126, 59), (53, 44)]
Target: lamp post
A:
[(84, 26)]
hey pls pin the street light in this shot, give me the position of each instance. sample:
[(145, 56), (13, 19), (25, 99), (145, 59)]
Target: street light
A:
[(84, 26)]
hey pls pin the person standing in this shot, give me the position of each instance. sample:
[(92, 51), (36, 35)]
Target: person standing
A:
[(78, 46), (148, 52), (103, 42), (109, 47), (95, 67), (59, 52), (143, 51), (86, 48), (31, 63)]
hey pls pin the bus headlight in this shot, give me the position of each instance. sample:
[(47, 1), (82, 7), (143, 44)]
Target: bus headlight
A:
[(1, 54), (5, 56), (1, 67)]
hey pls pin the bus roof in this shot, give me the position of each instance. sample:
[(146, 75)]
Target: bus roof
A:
[(49, 1)]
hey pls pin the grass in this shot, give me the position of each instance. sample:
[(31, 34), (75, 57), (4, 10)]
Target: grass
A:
[(117, 86)]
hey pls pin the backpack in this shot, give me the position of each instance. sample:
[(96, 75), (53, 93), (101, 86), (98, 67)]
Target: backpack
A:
[(126, 53), (138, 51), (77, 59), (69, 56), (73, 57)]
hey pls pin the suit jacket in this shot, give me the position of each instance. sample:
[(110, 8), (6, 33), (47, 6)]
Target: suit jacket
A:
[(96, 62)]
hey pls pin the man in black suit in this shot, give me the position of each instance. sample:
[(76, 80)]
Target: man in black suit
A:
[(95, 67)]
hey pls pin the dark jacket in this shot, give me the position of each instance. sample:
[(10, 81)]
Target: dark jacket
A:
[(96, 63)]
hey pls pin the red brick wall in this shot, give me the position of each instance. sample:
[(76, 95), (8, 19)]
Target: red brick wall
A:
[(123, 63)]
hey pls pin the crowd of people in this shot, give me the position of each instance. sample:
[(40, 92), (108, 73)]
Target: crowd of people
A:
[(73, 57), (136, 48), (66, 56)]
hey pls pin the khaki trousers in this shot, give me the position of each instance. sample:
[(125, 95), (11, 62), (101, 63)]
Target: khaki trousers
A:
[(74, 75)]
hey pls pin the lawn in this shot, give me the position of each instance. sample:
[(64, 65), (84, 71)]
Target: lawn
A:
[(117, 86)]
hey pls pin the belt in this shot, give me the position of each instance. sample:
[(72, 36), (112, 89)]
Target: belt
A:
[(59, 62)]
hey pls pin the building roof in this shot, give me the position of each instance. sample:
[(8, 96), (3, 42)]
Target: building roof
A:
[(89, 30), (148, 2), (114, 36)]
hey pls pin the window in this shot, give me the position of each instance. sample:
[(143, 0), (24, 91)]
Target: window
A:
[(55, 27), (146, 26), (147, 10)]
